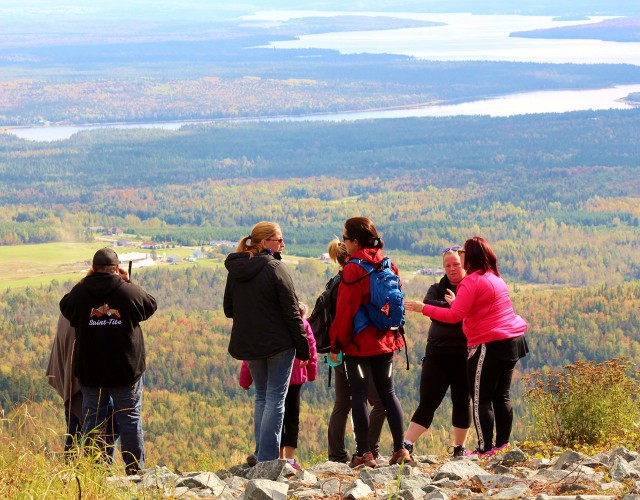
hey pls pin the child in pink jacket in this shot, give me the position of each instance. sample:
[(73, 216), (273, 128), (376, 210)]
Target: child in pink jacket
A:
[(302, 371)]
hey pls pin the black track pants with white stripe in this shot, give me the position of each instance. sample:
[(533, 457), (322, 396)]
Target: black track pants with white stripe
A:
[(489, 384)]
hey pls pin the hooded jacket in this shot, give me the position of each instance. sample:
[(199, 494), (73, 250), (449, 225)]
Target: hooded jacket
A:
[(260, 298), (353, 293), (106, 312)]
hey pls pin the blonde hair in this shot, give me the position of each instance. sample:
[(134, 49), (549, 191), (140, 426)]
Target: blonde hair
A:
[(337, 251), (260, 232)]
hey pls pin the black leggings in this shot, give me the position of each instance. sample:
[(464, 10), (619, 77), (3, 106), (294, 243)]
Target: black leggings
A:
[(291, 420), (340, 415), (444, 367), (381, 369), (490, 384)]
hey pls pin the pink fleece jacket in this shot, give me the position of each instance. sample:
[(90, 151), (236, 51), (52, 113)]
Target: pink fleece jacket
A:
[(299, 374), (483, 305)]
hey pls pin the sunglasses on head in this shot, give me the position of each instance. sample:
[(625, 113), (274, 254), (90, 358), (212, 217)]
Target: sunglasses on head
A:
[(455, 248)]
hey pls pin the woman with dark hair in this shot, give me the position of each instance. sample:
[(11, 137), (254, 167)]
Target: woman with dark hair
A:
[(495, 341), (267, 328), (342, 403), (370, 353)]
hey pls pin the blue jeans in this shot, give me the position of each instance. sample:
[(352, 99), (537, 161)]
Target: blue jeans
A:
[(271, 380), (127, 409)]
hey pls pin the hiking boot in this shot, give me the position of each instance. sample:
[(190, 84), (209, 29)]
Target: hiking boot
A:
[(457, 451), (366, 459), (252, 460)]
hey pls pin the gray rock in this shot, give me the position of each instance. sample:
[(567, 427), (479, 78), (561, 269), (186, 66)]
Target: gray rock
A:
[(595, 497), (572, 458), (358, 490), (306, 478), (620, 469), (203, 480), (417, 481), (331, 468), (309, 493), (331, 485), (496, 480), (437, 495), (271, 469), (518, 490), (457, 470), (512, 457), (411, 494), (265, 489), (158, 477)]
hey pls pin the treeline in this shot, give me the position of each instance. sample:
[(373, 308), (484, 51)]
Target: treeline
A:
[(540, 188), (194, 404)]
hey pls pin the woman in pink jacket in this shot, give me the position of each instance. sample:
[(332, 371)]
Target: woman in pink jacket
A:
[(302, 372), (495, 341)]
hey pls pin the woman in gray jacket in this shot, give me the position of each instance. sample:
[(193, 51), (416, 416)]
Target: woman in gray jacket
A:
[(267, 329)]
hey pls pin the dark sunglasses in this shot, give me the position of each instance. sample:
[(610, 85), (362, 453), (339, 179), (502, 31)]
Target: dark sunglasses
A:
[(455, 248), (346, 238), (279, 240)]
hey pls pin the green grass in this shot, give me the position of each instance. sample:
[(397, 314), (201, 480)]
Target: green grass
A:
[(36, 265)]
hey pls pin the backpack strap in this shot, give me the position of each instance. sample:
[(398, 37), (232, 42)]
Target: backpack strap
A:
[(367, 266)]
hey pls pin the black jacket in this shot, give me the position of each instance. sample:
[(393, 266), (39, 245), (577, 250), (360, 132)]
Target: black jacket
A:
[(106, 312), (443, 334), (260, 297)]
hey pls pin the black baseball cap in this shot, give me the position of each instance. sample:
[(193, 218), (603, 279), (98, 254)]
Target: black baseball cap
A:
[(105, 257)]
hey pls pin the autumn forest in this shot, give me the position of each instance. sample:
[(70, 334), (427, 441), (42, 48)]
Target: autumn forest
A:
[(557, 195)]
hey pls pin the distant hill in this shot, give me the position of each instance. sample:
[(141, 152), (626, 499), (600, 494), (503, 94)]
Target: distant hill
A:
[(623, 29)]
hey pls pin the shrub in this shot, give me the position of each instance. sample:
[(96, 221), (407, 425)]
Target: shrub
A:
[(586, 403)]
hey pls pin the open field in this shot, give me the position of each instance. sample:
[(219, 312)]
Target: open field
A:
[(36, 265)]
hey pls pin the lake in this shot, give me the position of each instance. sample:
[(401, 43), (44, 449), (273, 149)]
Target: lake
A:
[(465, 37)]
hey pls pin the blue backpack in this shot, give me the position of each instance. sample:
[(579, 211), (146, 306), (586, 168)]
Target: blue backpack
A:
[(386, 309)]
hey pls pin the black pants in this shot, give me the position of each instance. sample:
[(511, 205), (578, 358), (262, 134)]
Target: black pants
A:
[(490, 375), (291, 420), (444, 367), (340, 414), (380, 368)]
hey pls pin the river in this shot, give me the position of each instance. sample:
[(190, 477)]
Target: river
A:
[(556, 101)]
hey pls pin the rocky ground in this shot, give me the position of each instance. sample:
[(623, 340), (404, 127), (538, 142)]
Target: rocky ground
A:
[(510, 474)]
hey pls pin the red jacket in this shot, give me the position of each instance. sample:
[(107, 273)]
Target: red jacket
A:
[(369, 342)]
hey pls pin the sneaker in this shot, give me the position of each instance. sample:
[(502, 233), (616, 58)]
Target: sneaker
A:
[(295, 465), (366, 459), (402, 456), (252, 460), (479, 453), (457, 451)]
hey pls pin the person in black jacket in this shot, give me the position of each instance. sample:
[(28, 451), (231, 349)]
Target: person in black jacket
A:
[(444, 363), (267, 329), (106, 309)]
